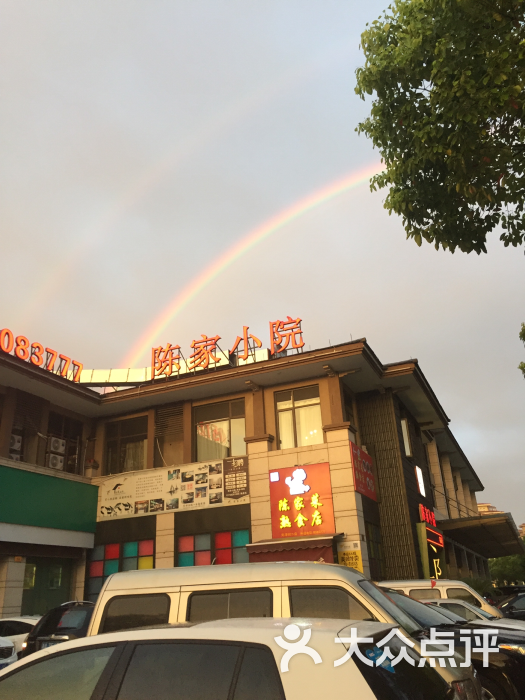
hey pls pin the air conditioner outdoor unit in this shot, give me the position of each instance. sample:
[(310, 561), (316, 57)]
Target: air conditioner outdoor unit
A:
[(57, 445), (55, 461), (15, 442), (15, 456)]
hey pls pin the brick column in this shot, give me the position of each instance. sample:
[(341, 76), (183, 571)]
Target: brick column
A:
[(165, 541)]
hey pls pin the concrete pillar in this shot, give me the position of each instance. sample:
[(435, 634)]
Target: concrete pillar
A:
[(467, 499), (258, 469), (165, 541), (460, 496), (6, 424), (12, 571), (449, 486), (79, 577), (474, 502), (452, 561), (435, 470), (151, 440)]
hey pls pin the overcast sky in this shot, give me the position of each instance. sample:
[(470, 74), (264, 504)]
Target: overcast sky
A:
[(140, 139)]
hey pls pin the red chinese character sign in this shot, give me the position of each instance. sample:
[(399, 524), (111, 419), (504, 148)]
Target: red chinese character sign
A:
[(364, 480), (286, 334), (301, 501)]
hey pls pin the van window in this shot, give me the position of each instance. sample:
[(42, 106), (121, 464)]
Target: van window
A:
[(424, 593), (463, 594), (328, 602), (221, 605), (128, 611), (462, 611)]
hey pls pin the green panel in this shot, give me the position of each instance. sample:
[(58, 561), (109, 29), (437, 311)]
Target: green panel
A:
[(28, 498)]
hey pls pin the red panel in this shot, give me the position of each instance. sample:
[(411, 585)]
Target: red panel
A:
[(202, 558), (223, 556), (112, 551), (146, 548), (96, 568), (186, 543), (223, 540)]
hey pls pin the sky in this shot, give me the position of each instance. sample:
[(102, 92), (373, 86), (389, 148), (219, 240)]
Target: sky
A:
[(140, 140)]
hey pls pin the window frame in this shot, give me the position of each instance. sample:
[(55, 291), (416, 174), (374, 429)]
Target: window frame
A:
[(119, 438), (293, 409), (219, 591), (130, 595), (195, 423), (349, 593)]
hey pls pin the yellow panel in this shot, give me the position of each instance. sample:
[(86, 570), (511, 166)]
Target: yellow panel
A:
[(145, 562)]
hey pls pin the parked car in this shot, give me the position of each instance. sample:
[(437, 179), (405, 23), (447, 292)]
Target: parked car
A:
[(8, 654), (249, 659), (17, 628), (504, 677), (514, 607), (60, 624), (285, 589), (471, 612), (430, 589)]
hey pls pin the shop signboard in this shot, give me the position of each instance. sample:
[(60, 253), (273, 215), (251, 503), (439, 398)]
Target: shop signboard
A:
[(301, 501), (349, 554), (364, 479), (432, 549), (213, 484)]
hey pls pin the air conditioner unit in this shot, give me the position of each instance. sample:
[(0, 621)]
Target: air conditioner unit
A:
[(57, 445), (15, 456), (55, 461), (15, 442)]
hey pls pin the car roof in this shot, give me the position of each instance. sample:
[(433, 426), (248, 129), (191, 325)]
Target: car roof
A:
[(234, 573), (459, 601), (22, 618), (423, 583)]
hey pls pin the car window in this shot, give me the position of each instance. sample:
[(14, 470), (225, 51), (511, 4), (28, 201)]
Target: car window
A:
[(221, 605), (6, 629), (519, 604), (56, 678), (385, 602), (20, 627), (462, 610), (424, 593), (258, 678), (424, 615), (72, 619), (328, 602), (126, 612), (463, 594), (447, 612)]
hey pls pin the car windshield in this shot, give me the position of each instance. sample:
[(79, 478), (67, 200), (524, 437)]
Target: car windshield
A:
[(423, 614), (61, 620), (448, 613), (484, 613), (389, 606)]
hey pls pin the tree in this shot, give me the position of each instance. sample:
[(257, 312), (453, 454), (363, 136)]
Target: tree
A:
[(522, 337), (448, 117), (510, 569)]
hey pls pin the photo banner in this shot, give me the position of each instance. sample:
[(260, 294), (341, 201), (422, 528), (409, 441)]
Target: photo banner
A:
[(190, 487)]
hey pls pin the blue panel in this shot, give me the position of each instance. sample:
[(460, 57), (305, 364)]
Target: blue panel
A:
[(241, 538), (186, 559)]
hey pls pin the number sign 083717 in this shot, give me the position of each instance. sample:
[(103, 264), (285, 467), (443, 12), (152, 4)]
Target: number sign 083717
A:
[(38, 355)]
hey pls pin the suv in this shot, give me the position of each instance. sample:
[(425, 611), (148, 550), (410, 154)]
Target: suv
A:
[(67, 621)]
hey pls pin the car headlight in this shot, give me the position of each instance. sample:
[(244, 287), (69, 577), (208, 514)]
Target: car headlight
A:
[(24, 645), (517, 648), (464, 690)]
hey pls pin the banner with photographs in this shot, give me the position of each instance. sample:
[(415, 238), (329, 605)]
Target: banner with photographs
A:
[(213, 484)]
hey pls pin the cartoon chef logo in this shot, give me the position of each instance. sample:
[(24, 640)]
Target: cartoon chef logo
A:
[(295, 482)]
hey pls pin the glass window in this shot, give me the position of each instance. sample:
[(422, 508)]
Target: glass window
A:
[(126, 445), (259, 677), (328, 602), (180, 671), (223, 548), (462, 611), (126, 612), (423, 614), (110, 558), (299, 417), (221, 605), (220, 430), (53, 678), (424, 593), (519, 603), (406, 437), (463, 594)]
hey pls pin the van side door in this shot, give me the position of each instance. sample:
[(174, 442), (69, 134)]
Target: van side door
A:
[(325, 599)]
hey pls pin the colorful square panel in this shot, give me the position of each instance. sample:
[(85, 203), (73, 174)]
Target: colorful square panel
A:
[(130, 549), (98, 553), (202, 558), (241, 538), (186, 559), (96, 568), (146, 548), (129, 564), (94, 585), (145, 562), (112, 551), (202, 542), (223, 556), (240, 555), (110, 567), (223, 540), (186, 544)]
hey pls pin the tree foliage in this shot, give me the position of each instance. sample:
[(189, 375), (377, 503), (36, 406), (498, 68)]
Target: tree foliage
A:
[(509, 569), (522, 337), (448, 117)]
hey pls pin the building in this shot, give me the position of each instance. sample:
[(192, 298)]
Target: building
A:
[(252, 455), (488, 509)]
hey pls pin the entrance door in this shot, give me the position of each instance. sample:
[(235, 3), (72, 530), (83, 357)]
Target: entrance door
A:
[(47, 583)]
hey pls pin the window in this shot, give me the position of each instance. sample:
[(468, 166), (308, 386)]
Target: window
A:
[(126, 445), (406, 437), (299, 417), (463, 594), (128, 611), (11, 628), (67, 443), (462, 611), (220, 430), (425, 593), (420, 481), (328, 602), (220, 548), (53, 678), (192, 671), (223, 605), (107, 559)]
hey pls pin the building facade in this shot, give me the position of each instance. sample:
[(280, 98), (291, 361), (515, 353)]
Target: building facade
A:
[(326, 455)]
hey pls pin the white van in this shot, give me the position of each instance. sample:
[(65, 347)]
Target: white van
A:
[(426, 589), (289, 589)]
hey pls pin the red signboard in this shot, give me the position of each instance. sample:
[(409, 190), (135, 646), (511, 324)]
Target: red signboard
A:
[(434, 537), (364, 479), (426, 515), (301, 501)]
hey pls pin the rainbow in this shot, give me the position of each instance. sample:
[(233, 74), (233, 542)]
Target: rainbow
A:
[(253, 238)]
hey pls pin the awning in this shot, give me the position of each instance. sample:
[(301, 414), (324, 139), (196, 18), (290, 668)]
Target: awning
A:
[(490, 536), (291, 543)]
